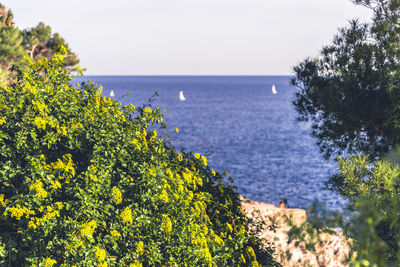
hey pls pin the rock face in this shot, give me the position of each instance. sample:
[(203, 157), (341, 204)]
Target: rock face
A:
[(332, 250)]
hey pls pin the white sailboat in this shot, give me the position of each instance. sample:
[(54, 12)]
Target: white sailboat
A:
[(274, 90), (181, 96), (112, 93)]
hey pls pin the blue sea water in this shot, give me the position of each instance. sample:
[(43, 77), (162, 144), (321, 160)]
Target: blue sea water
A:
[(242, 128)]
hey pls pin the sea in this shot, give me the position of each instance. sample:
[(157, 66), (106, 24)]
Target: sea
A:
[(242, 128)]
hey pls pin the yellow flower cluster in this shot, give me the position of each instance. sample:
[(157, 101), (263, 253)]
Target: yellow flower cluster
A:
[(179, 157), (103, 264), (166, 224), (88, 228), (75, 126), (147, 110), (136, 264), (64, 165), (20, 211), (164, 195), (202, 158), (38, 187), (213, 172), (3, 201), (219, 240), (126, 215), (151, 172), (140, 248), (2, 120), (117, 195), (48, 262), (251, 254), (49, 214), (40, 122), (135, 142), (55, 185), (40, 106), (242, 258), (229, 227), (115, 233), (101, 254)]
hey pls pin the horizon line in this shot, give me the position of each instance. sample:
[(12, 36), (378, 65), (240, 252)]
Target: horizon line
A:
[(192, 75)]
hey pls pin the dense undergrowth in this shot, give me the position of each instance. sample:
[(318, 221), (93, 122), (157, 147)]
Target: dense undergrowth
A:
[(85, 181)]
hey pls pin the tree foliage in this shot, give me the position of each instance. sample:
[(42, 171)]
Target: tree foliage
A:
[(37, 43), (11, 50), (85, 181), (351, 91), (373, 190), (40, 43)]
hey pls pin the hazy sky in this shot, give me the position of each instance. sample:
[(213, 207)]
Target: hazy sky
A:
[(199, 37)]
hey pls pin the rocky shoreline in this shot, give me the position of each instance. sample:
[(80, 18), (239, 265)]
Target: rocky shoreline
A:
[(332, 250)]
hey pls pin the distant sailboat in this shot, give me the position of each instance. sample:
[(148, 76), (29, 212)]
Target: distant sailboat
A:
[(112, 93), (274, 90), (181, 96)]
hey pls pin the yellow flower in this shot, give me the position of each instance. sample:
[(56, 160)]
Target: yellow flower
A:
[(101, 254), (126, 215), (197, 156), (20, 211), (166, 224), (136, 264), (31, 224), (117, 195), (242, 258), (229, 227), (140, 248), (136, 143), (115, 233), (38, 187), (88, 228), (151, 172), (213, 172), (204, 160), (49, 262), (3, 201), (55, 185), (250, 253), (177, 130), (179, 157), (2, 120), (219, 240), (59, 205), (164, 195), (147, 110), (103, 264), (40, 123)]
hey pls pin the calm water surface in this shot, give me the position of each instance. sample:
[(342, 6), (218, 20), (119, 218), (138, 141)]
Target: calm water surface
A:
[(242, 128)]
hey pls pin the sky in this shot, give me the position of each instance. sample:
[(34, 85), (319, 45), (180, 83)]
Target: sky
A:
[(190, 37)]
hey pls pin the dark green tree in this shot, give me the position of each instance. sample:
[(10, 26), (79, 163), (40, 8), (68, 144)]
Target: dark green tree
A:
[(351, 91), (40, 43), (11, 50)]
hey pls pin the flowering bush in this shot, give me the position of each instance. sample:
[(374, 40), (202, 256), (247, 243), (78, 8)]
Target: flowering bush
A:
[(85, 181)]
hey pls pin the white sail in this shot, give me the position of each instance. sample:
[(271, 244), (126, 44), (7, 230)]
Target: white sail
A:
[(274, 90), (112, 93), (181, 96)]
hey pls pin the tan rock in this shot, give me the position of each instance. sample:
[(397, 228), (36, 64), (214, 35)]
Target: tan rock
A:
[(332, 249)]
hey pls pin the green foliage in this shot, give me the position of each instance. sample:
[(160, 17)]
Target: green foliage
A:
[(41, 43), (374, 193), (37, 43), (350, 92), (11, 50), (85, 181)]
